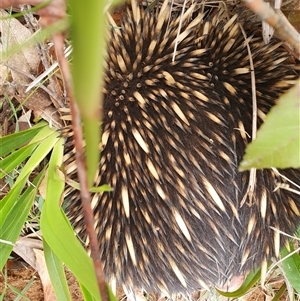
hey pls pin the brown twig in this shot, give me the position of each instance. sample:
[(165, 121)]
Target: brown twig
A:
[(284, 30), (81, 166)]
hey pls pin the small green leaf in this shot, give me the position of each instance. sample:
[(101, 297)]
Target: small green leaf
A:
[(278, 140), (102, 188), (14, 208), (291, 267), (57, 274), (97, 189)]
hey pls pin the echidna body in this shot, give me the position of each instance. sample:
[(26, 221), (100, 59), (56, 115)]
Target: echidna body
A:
[(174, 133)]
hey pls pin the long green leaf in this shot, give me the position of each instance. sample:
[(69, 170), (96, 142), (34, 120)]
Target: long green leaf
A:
[(250, 280), (57, 231), (87, 72)]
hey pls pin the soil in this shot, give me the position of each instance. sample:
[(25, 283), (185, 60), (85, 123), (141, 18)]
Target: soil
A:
[(19, 279), (25, 279)]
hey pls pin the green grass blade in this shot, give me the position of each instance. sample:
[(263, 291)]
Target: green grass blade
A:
[(15, 159), (43, 149), (21, 294), (14, 141), (9, 201), (14, 208), (252, 278), (14, 216), (279, 293), (57, 231), (291, 267), (44, 133), (57, 274), (49, 138)]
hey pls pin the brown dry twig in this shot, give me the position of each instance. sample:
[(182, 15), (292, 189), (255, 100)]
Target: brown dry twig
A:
[(284, 30), (81, 166), (58, 40)]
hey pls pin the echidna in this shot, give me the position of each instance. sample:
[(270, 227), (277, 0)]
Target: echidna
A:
[(175, 127)]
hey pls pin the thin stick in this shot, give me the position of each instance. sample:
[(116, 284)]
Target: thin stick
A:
[(81, 166), (252, 177), (284, 30)]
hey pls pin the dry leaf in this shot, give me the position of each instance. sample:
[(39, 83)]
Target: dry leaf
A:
[(24, 62), (31, 252), (24, 248), (49, 294), (21, 67)]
